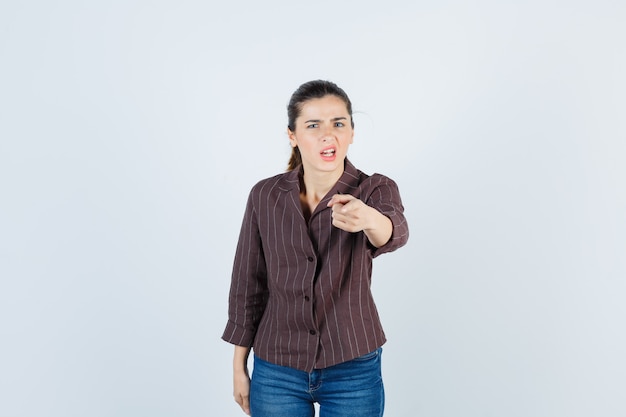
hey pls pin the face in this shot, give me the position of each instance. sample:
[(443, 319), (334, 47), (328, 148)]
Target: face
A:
[(323, 133)]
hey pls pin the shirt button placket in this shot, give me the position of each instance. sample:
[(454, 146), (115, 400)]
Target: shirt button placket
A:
[(307, 298)]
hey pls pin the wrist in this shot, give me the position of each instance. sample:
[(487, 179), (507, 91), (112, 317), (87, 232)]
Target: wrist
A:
[(240, 370)]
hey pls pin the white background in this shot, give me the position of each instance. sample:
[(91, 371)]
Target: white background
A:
[(132, 131)]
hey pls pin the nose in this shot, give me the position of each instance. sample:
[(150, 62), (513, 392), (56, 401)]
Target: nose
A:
[(327, 134)]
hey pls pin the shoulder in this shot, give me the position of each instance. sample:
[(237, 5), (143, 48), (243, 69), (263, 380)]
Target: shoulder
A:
[(376, 180), (275, 184), (380, 179), (378, 189), (356, 179)]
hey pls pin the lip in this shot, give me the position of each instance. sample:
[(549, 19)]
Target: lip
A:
[(332, 157)]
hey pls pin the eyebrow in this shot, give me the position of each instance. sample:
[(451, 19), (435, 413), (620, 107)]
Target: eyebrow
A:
[(334, 119)]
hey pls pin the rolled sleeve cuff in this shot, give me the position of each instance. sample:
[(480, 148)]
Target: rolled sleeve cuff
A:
[(238, 335), (399, 234)]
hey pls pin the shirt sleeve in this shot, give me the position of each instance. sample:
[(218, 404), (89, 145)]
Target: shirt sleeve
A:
[(385, 197), (248, 291)]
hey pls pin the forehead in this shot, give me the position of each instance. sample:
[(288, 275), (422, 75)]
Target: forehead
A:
[(325, 107)]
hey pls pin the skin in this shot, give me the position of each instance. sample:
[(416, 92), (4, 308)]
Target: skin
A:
[(241, 378), (323, 124)]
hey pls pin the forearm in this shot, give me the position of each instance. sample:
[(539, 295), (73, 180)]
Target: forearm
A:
[(241, 380), (240, 359), (380, 228)]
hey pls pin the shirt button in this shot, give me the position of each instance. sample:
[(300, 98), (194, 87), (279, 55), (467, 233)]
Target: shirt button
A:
[(312, 332), (306, 298), (310, 259)]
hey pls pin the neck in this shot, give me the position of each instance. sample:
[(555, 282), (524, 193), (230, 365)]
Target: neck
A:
[(318, 184)]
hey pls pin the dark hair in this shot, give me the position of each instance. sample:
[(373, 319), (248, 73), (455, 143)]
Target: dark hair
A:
[(309, 91)]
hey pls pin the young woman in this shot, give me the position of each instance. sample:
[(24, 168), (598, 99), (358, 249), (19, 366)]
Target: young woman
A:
[(300, 291)]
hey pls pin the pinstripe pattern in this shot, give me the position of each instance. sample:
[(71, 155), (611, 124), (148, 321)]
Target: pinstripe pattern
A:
[(300, 293)]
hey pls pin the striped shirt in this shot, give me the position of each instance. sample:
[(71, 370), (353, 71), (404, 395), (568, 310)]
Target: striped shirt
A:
[(300, 292)]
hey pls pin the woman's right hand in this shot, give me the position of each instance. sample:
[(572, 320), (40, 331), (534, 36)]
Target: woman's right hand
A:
[(241, 390), (241, 379)]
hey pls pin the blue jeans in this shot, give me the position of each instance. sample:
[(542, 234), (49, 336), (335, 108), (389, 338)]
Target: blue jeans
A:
[(353, 388)]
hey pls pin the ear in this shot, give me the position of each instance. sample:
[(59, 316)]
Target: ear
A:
[(292, 138), (352, 137)]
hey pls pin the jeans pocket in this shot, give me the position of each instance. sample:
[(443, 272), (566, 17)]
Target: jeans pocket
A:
[(369, 356)]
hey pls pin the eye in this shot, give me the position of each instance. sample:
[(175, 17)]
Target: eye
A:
[(339, 124), (312, 126)]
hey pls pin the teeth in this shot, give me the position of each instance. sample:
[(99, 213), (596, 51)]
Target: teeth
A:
[(329, 152)]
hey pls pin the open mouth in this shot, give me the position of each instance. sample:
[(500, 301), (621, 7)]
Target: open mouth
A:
[(328, 153)]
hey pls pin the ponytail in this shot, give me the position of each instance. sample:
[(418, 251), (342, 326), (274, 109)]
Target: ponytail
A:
[(295, 159)]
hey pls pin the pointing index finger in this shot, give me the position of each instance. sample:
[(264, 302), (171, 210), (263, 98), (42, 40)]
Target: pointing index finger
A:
[(340, 198)]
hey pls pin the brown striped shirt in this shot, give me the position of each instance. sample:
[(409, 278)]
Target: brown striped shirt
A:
[(300, 293)]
